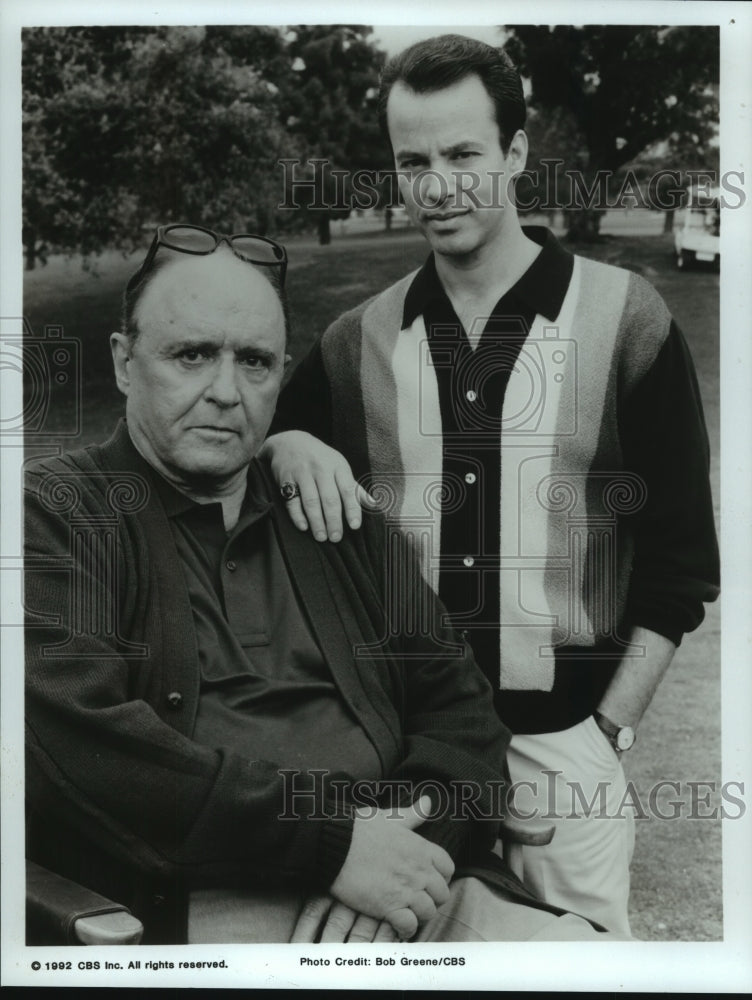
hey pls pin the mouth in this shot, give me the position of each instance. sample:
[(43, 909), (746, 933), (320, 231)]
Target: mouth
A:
[(213, 429), (445, 216)]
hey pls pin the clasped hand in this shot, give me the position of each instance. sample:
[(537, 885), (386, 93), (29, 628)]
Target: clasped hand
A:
[(392, 881)]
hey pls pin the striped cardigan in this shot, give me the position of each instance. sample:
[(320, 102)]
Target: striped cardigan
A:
[(580, 527)]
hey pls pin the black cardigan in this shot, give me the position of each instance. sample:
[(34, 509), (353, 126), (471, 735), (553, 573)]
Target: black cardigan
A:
[(119, 795)]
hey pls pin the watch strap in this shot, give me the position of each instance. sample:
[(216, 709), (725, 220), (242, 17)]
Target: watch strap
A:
[(606, 725), (612, 732)]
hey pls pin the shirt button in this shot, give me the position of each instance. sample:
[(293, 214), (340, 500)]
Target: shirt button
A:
[(175, 699), (470, 477), (231, 565), (469, 561), (471, 395)]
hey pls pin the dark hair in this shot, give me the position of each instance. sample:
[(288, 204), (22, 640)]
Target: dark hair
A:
[(439, 62), (129, 324)]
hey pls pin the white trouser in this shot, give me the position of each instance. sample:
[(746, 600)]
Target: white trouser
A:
[(585, 868)]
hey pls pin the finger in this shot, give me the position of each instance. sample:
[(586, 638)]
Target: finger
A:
[(404, 922), (364, 930), (338, 923), (418, 812), (307, 927), (331, 505), (437, 888), (311, 502), (350, 493), (385, 932), (364, 498), (295, 512), (442, 862), (423, 907)]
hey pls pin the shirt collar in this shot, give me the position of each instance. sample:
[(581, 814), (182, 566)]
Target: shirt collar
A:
[(257, 500), (542, 287)]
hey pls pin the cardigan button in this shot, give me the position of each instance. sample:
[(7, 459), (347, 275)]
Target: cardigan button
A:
[(158, 900), (175, 699)]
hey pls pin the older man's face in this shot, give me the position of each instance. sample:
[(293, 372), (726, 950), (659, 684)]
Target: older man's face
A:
[(203, 375)]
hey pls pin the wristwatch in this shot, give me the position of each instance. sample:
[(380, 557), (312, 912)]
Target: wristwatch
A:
[(620, 737)]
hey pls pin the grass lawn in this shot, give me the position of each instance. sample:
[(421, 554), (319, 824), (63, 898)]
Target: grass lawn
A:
[(676, 884)]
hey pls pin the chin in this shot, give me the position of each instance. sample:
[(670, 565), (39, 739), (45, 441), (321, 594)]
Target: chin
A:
[(212, 465), (455, 245)]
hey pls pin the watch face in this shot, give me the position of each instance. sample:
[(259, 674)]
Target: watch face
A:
[(625, 738)]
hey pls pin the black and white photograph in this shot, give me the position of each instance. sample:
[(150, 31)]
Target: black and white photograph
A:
[(376, 537)]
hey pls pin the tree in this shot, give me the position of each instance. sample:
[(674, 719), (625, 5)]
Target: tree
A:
[(330, 108), (553, 138), (124, 128), (129, 127), (625, 88)]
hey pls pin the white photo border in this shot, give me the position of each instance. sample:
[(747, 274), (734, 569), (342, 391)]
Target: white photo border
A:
[(641, 966)]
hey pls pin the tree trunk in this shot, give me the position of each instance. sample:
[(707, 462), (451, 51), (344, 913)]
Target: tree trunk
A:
[(583, 224), (325, 235), (262, 220), (30, 250)]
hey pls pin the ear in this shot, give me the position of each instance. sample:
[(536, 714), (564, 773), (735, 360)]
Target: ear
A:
[(120, 346), (517, 152), (288, 359)]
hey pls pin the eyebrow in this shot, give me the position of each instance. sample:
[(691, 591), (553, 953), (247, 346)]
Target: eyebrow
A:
[(192, 344), (456, 147)]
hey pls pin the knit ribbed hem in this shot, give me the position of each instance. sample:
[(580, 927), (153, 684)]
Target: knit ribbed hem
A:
[(647, 618), (334, 845), (451, 834)]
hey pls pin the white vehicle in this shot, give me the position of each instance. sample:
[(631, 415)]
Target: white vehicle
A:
[(697, 236)]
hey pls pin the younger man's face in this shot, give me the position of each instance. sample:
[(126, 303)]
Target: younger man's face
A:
[(453, 173)]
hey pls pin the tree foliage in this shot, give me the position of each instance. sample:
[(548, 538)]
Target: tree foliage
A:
[(622, 88), (330, 104), (124, 128)]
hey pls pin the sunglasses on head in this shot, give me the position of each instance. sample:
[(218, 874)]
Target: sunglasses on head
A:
[(197, 240)]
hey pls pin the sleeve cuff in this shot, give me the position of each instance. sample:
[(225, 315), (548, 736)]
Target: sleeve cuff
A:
[(670, 630), (333, 848)]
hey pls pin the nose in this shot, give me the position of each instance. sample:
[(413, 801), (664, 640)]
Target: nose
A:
[(434, 187), (222, 389)]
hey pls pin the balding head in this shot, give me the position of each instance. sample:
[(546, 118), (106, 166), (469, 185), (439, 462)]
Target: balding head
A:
[(222, 263), (203, 368)]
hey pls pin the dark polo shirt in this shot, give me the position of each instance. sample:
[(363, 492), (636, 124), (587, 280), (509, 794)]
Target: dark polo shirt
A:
[(266, 690)]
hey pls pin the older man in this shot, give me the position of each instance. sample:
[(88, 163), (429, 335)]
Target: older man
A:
[(208, 690)]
